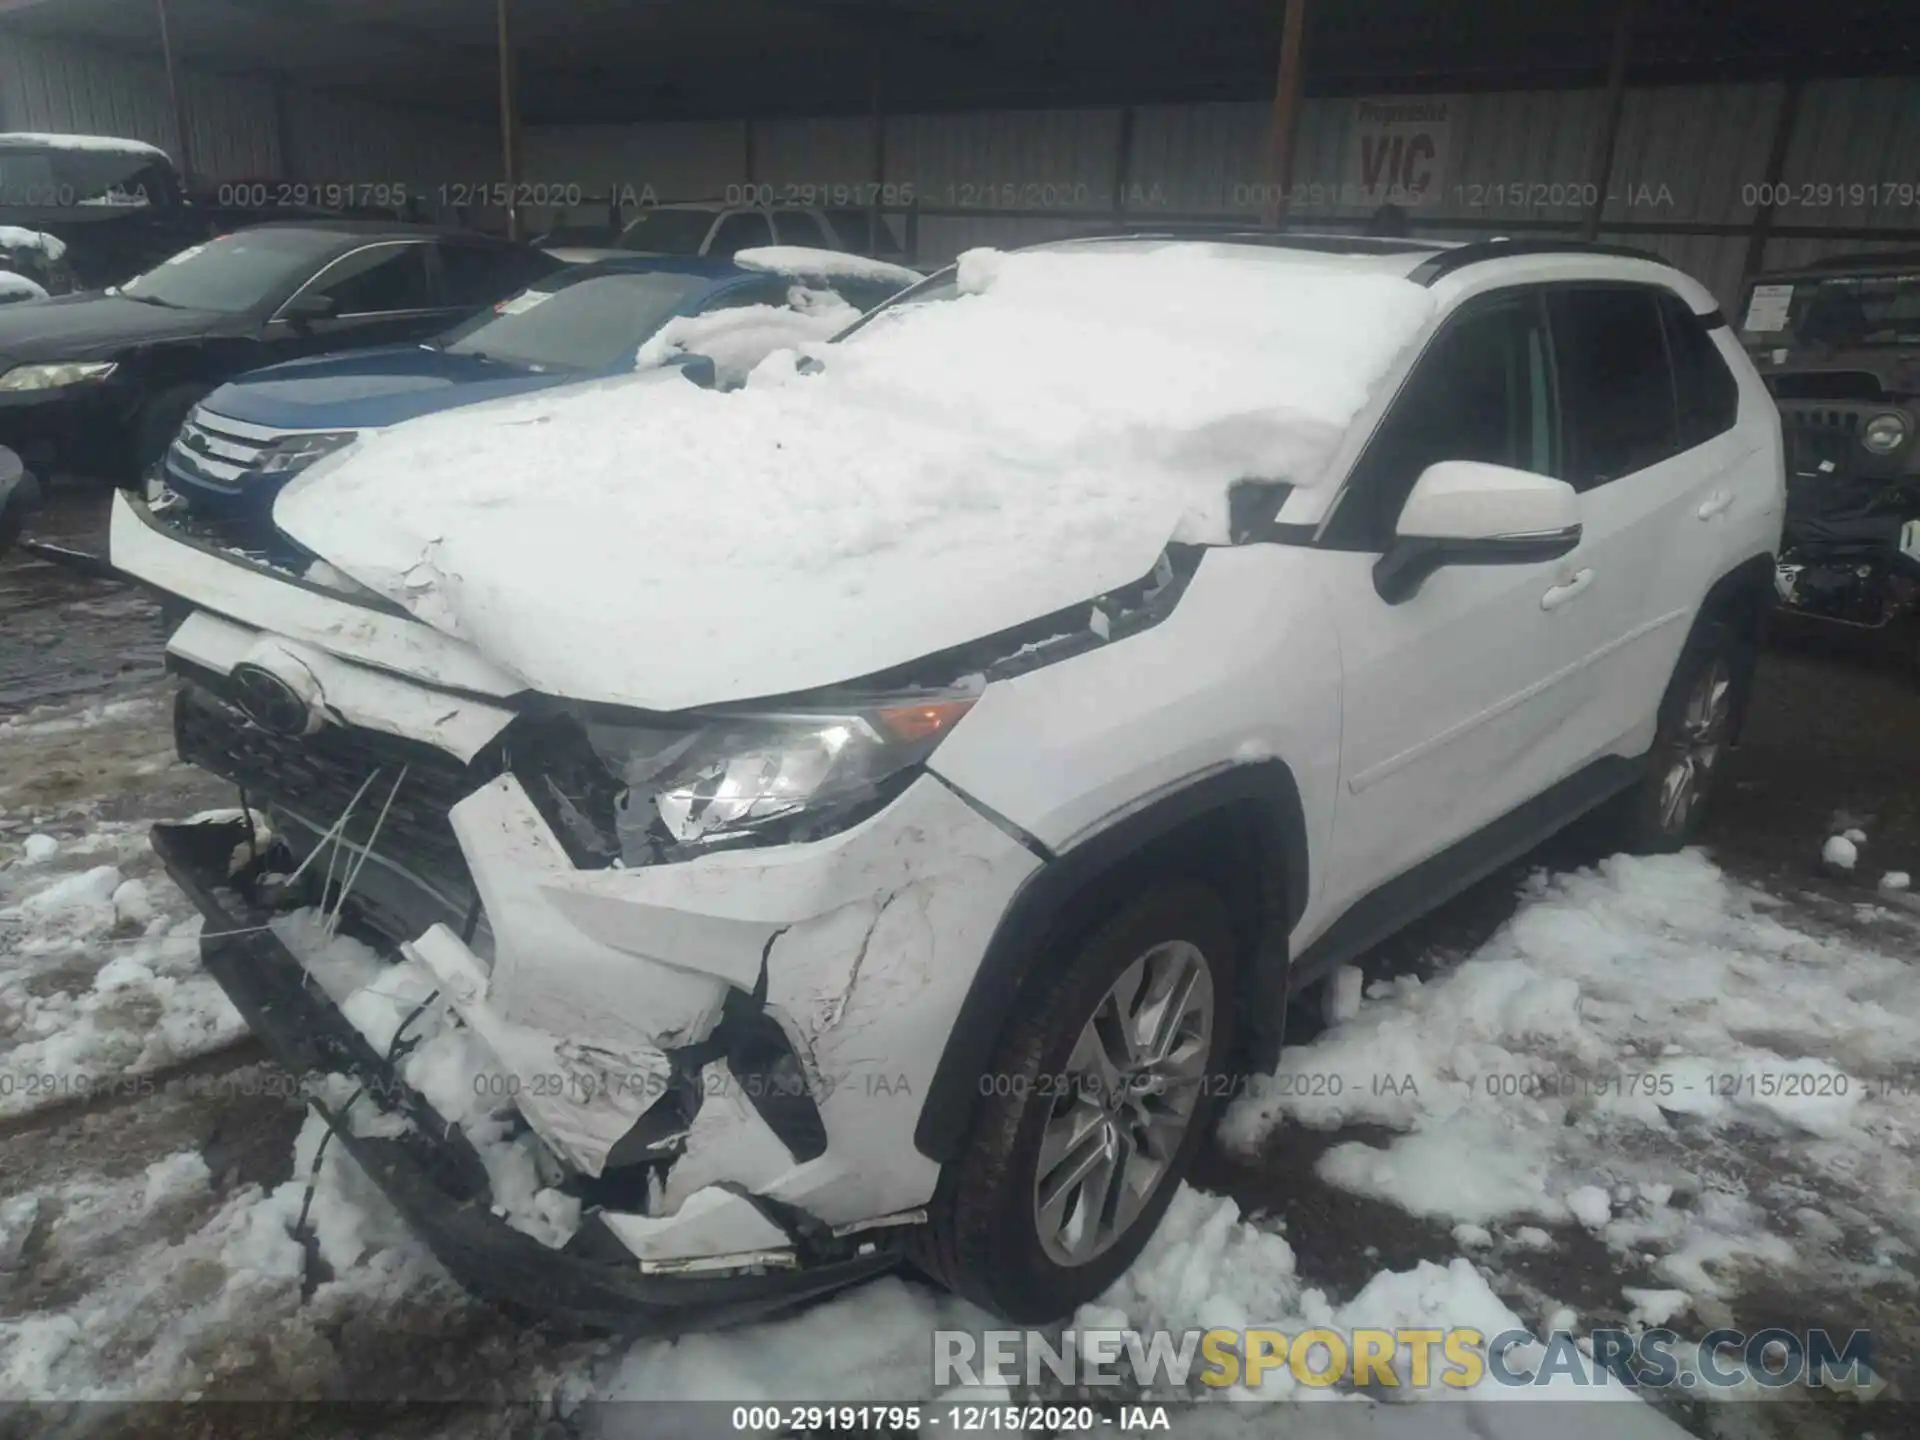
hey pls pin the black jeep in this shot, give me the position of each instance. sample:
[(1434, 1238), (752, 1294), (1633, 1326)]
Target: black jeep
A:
[(1838, 343)]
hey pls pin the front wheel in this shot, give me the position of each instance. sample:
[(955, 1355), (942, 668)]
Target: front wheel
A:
[(1099, 1095)]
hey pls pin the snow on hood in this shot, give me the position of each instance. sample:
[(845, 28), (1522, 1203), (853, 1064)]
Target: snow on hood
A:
[(111, 144), (13, 237), (953, 469), (803, 260)]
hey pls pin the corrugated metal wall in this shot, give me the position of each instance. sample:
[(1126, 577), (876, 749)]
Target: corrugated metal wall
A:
[(236, 127), (1691, 156), (1686, 156)]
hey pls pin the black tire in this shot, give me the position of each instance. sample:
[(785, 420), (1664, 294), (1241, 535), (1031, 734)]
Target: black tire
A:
[(982, 1239), (1716, 667), (159, 419)]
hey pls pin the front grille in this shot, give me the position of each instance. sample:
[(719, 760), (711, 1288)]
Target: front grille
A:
[(307, 782), (1821, 442), (216, 452)]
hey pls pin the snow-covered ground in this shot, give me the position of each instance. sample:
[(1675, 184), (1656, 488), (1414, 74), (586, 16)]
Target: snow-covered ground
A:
[(1656, 1094)]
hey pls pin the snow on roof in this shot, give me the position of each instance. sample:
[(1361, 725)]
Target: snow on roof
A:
[(836, 264), (954, 469), (13, 237), (110, 143)]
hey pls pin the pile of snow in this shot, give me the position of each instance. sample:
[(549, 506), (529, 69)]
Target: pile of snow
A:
[(1571, 1071), (19, 287), (951, 470), (100, 977), (738, 338), (1841, 851), (13, 237), (831, 264)]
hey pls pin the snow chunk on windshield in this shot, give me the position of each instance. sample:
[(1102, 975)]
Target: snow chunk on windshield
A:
[(952, 469), (739, 338), (834, 264)]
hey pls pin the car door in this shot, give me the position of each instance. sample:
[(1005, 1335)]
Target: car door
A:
[(1457, 701), (379, 293), (1650, 496)]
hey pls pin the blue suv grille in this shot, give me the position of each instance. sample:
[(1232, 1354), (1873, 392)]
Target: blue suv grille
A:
[(215, 452)]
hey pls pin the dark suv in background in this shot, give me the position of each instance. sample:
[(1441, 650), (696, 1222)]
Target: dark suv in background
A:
[(98, 384), (1838, 344)]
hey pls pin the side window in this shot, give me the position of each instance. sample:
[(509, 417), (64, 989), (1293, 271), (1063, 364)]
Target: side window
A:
[(742, 230), (797, 227), (379, 279), (1482, 391), (864, 295), (1615, 382), (476, 275), (1707, 394)]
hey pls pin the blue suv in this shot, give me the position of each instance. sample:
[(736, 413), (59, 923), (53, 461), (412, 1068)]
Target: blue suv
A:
[(242, 444)]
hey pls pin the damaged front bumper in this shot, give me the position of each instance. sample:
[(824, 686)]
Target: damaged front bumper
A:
[(431, 1174)]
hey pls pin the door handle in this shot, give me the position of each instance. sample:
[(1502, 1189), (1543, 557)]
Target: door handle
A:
[(1714, 504), (1562, 593)]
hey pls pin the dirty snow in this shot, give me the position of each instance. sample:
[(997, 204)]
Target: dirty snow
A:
[(955, 470), (1573, 1069), (833, 264), (100, 977)]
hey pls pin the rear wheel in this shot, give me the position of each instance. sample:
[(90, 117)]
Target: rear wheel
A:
[(1099, 1095), (1664, 810)]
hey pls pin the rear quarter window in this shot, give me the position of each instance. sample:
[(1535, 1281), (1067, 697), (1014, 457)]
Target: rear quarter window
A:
[(1705, 392)]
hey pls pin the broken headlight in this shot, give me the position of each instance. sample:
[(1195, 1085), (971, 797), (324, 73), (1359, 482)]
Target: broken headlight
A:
[(766, 776)]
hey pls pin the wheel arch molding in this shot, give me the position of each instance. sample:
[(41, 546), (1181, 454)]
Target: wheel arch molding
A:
[(1241, 830)]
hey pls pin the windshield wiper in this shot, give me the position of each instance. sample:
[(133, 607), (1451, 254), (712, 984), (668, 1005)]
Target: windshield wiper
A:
[(150, 300)]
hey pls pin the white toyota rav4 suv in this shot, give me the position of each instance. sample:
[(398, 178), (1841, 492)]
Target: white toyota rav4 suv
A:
[(874, 815)]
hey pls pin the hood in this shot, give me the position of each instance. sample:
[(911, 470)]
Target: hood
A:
[(1819, 372), (948, 473), (78, 327), (370, 389)]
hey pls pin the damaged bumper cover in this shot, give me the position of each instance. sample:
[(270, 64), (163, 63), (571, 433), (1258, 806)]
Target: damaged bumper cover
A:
[(431, 1175)]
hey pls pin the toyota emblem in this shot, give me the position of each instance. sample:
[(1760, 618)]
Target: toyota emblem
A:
[(270, 702)]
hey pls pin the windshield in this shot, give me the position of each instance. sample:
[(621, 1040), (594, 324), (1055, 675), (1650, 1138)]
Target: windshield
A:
[(671, 232), (942, 286), (1840, 311), (236, 273), (573, 323)]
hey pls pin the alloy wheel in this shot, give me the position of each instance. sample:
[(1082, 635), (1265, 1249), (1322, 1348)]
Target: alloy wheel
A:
[(1123, 1105), (1696, 745)]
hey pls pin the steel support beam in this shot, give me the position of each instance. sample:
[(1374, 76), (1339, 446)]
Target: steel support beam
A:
[(509, 124), (1600, 168), (1763, 215), (175, 94), (1286, 115)]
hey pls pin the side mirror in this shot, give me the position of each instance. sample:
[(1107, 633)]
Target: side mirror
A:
[(308, 305), (1464, 512)]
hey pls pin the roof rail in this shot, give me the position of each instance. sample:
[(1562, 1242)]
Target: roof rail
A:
[(1239, 233), (1476, 251)]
